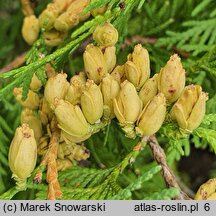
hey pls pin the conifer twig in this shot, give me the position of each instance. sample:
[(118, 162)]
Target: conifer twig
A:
[(8, 195), (50, 160), (27, 8), (139, 39), (167, 173), (185, 188), (151, 40)]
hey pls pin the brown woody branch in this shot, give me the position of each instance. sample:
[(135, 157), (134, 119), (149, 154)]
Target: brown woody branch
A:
[(168, 175), (50, 160), (138, 39), (17, 62)]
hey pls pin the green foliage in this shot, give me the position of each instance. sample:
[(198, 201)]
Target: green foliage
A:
[(200, 7), (11, 21), (209, 118), (177, 148), (205, 136), (207, 63), (126, 192), (158, 16), (196, 35), (199, 36), (85, 183), (83, 177), (9, 120), (22, 75), (115, 170), (165, 194), (211, 105), (37, 52), (208, 135), (177, 143), (108, 150)]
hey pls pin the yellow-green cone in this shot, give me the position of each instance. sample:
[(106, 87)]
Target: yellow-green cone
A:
[(68, 138), (73, 151), (45, 112), (149, 90), (190, 108), (127, 107), (35, 84), (32, 101), (92, 102), (56, 87), (66, 21), (48, 16), (53, 37), (63, 164), (77, 85), (110, 58), (79, 152), (207, 191), (72, 16), (22, 155), (106, 35), (30, 29), (95, 64), (98, 10), (119, 73), (34, 122), (71, 119), (110, 89), (152, 116), (171, 79), (137, 68)]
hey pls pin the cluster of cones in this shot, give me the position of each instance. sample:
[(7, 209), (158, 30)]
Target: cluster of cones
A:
[(68, 113)]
